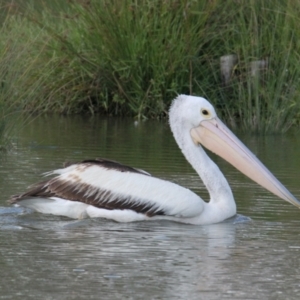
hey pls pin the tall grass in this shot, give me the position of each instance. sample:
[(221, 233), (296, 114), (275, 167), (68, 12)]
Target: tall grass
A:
[(124, 57), (266, 31), (18, 62), (133, 57), (146, 52)]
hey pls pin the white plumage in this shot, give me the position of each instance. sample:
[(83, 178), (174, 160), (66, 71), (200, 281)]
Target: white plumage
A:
[(107, 189)]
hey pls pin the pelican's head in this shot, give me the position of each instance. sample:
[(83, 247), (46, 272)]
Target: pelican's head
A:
[(196, 117), (190, 111)]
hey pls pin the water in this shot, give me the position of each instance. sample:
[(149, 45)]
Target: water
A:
[(50, 257)]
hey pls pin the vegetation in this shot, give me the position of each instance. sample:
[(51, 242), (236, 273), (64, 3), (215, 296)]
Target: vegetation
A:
[(133, 57), (17, 61)]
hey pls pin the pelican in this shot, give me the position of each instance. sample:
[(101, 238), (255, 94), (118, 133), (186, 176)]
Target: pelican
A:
[(107, 189)]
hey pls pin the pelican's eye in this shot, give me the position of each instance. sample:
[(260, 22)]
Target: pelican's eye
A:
[(205, 112)]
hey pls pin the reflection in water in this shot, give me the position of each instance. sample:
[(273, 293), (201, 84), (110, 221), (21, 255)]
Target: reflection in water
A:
[(59, 257), (48, 257)]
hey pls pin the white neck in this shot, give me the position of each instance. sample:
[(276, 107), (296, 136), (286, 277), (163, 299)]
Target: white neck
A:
[(221, 205)]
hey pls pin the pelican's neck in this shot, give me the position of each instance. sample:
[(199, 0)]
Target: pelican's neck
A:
[(221, 197)]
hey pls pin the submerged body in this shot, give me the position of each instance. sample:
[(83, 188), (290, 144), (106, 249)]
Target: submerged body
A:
[(107, 189)]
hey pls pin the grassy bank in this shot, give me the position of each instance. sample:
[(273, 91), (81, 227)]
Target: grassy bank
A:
[(133, 57), (19, 58)]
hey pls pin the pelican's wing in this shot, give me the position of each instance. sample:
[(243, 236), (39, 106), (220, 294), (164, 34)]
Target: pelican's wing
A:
[(113, 186), (105, 163)]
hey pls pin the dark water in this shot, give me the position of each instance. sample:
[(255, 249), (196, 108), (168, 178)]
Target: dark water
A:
[(48, 257)]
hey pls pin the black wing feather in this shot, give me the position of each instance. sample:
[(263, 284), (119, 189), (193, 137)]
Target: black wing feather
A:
[(81, 192), (108, 164)]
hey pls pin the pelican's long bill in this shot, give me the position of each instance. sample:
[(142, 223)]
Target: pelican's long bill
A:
[(215, 136)]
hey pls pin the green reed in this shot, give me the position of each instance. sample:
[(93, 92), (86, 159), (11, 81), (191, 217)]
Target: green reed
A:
[(133, 57), (264, 33), (18, 64), (123, 57)]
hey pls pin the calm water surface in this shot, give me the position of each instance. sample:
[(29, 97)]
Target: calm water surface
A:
[(48, 257)]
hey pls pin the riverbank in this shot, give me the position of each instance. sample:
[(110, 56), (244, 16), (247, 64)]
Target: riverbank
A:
[(131, 58)]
